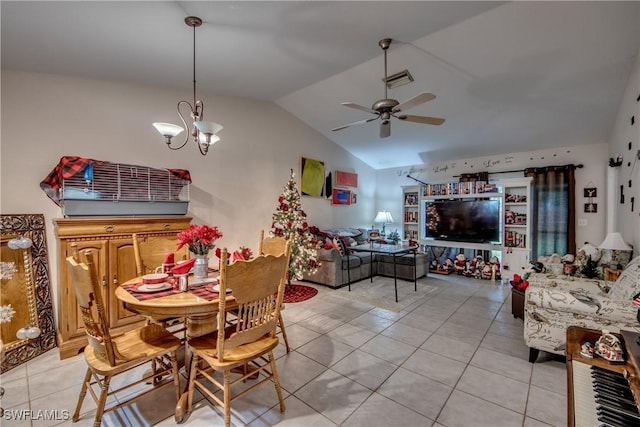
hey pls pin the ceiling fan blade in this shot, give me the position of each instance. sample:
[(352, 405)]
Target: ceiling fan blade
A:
[(359, 107), (422, 119), (385, 129), (355, 123), (412, 102)]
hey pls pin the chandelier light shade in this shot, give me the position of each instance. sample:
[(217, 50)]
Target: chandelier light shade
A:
[(384, 218), (204, 133)]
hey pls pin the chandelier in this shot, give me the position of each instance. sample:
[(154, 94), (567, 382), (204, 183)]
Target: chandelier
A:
[(204, 133)]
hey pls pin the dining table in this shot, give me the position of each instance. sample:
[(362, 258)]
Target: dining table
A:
[(198, 305)]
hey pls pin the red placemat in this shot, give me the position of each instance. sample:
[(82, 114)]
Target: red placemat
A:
[(201, 292)]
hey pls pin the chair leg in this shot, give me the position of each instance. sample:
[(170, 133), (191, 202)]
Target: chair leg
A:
[(83, 394), (276, 380), (192, 381), (227, 397), (284, 332), (533, 354), (176, 374), (104, 391)]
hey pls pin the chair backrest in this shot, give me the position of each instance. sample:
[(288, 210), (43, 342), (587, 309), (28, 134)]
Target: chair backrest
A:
[(89, 296), (149, 252), (258, 288), (271, 245)]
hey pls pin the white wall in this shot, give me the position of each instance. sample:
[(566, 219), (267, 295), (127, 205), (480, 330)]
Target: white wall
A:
[(236, 186), (625, 220), (593, 174)]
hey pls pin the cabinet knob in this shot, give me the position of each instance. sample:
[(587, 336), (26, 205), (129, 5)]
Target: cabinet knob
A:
[(167, 226), (104, 281), (109, 228), (115, 279)]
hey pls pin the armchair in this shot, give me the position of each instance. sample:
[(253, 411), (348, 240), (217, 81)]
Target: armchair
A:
[(555, 302)]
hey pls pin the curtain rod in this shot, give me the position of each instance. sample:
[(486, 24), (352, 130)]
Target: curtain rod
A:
[(579, 166)]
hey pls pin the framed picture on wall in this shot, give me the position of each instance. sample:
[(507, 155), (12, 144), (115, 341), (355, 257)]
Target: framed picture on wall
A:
[(590, 192), (341, 197), (591, 207), (346, 179), (311, 177)]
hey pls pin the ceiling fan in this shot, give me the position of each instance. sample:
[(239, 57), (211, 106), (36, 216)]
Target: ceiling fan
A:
[(386, 108)]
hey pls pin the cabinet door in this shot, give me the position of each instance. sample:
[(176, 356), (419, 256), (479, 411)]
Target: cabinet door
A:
[(122, 267), (73, 315)]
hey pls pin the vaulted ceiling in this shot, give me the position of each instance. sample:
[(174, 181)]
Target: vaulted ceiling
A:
[(508, 76)]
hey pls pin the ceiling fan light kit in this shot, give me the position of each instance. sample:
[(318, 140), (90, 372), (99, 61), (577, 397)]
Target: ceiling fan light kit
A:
[(204, 133), (386, 108)]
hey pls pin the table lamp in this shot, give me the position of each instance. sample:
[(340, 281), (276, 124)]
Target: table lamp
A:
[(384, 218), (614, 242)]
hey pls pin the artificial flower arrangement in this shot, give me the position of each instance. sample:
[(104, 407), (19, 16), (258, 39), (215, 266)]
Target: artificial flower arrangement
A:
[(242, 254), (199, 237)]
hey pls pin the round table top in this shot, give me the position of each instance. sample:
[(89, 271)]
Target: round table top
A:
[(179, 304)]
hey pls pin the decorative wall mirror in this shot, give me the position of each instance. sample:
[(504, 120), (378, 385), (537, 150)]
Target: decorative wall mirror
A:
[(27, 327)]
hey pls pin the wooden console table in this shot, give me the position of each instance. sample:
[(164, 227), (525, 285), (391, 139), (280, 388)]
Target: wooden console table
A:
[(110, 240)]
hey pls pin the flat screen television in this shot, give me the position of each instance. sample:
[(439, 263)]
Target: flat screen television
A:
[(464, 220)]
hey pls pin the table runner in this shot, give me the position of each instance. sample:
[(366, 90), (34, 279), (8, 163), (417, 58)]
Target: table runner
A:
[(200, 291)]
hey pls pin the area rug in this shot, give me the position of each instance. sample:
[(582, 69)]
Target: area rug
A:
[(381, 292), (298, 293)]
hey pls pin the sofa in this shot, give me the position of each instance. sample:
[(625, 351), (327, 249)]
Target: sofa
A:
[(339, 266), (555, 302)]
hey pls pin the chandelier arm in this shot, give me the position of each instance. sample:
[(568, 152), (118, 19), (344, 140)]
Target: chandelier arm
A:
[(186, 127)]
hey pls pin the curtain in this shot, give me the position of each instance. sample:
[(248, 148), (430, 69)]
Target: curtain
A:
[(553, 227)]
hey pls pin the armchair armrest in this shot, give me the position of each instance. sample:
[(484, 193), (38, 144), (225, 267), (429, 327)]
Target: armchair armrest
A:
[(584, 299)]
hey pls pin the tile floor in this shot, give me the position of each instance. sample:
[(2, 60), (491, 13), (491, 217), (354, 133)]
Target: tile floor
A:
[(457, 358)]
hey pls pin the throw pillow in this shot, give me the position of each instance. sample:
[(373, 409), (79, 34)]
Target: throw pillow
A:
[(628, 283), (339, 245)]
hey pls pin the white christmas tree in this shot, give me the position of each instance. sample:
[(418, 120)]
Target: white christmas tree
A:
[(290, 220)]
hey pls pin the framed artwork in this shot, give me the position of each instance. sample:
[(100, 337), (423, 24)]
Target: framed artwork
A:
[(341, 197), (311, 177), (590, 192), (591, 207), (354, 198), (346, 179)]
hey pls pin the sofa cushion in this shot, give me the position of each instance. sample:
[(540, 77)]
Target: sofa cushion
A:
[(339, 245), (354, 261), (345, 232), (365, 257), (628, 283), (404, 259)]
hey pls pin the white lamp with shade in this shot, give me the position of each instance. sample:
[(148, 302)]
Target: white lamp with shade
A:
[(614, 242), (384, 218)]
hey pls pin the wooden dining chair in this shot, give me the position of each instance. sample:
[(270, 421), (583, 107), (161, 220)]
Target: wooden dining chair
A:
[(149, 252), (275, 246), (107, 356), (250, 340)]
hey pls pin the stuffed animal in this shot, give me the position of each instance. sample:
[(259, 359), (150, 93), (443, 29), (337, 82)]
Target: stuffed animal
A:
[(448, 264), (495, 265), (460, 264), (479, 267), (487, 271)]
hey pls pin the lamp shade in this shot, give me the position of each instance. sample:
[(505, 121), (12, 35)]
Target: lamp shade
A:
[(210, 128), (383, 217), (614, 241), (167, 129)]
